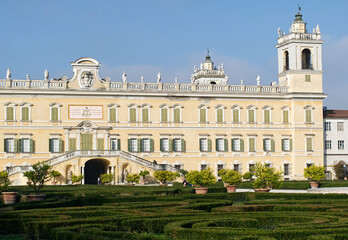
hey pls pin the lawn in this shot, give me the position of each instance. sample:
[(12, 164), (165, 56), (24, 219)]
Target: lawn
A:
[(143, 212)]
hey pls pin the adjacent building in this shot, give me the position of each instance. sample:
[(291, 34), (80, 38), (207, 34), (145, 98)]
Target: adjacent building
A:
[(88, 124)]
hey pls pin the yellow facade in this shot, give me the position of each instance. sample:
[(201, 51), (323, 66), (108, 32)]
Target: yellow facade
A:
[(69, 122)]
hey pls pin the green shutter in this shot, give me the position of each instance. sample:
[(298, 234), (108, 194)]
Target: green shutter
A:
[(177, 115), (290, 145), (232, 145), (145, 113), (129, 145), (209, 145), (308, 116), (285, 116), (54, 114), (112, 115), (86, 141), (132, 115), (50, 145), (216, 144), (72, 144), (140, 145), (200, 145), (235, 115), (118, 144), (283, 144), (266, 116), (170, 142), (60, 145), (202, 115), (164, 115), (161, 145), (251, 116), (272, 145), (19, 145), (264, 145), (9, 114), (100, 144), (5, 145), (183, 145), (151, 145), (15, 142), (225, 145), (25, 114), (251, 144), (241, 147), (309, 144), (31, 145), (219, 116)]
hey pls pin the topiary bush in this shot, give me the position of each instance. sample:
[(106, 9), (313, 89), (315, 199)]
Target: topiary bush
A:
[(76, 178), (247, 176), (202, 178), (230, 177), (133, 178), (106, 178), (267, 177), (316, 173), (40, 174), (165, 176)]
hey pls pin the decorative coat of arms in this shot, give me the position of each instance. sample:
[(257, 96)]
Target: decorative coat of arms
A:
[(86, 79)]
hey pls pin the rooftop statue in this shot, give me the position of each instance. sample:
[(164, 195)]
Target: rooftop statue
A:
[(159, 77), (124, 77), (8, 74), (46, 74)]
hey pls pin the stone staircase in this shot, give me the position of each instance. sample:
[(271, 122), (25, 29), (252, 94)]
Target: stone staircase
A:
[(96, 153)]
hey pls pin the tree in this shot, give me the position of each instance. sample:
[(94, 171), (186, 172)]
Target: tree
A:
[(247, 176), (165, 176), (339, 170), (316, 173), (4, 181), (55, 174), (40, 174), (183, 172), (230, 177), (133, 178), (144, 173), (202, 178), (267, 177), (106, 177), (76, 178)]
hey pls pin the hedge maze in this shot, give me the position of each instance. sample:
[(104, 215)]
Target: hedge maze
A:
[(169, 213)]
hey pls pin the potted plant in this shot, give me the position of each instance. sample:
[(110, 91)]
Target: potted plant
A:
[(133, 179), (202, 179), (37, 177), (267, 178), (76, 179), (165, 176), (230, 178), (9, 197), (315, 173), (248, 176), (143, 174), (55, 174), (107, 178)]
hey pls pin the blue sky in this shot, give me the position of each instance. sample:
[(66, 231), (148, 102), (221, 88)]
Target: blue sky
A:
[(143, 37)]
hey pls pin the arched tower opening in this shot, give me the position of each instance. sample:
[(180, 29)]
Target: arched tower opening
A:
[(286, 60), (306, 59)]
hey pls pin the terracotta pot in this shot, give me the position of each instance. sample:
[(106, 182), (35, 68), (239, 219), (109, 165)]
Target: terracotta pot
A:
[(266, 190), (314, 184), (163, 184), (54, 183), (107, 183), (201, 190), (36, 197), (130, 184), (9, 197), (231, 188)]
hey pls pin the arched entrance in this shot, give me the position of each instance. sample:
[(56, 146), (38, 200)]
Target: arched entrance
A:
[(93, 169)]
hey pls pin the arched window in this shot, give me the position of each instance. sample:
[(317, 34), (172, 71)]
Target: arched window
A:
[(285, 114), (306, 59), (309, 114), (113, 112), (145, 113), (55, 112), (133, 114), (25, 111), (164, 111), (177, 113), (203, 113), (252, 114), (236, 114), (220, 112), (10, 111), (286, 60), (267, 116)]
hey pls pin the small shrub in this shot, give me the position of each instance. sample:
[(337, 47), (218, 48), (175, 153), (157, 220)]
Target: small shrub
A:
[(133, 178), (339, 170), (247, 176), (201, 178), (230, 177), (144, 173), (4, 181), (76, 178), (40, 174), (165, 176), (106, 178), (267, 177), (316, 173), (55, 174)]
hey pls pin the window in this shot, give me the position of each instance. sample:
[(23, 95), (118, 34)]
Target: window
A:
[(327, 126), (252, 147), (268, 145), (221, 145), (115, 144), (285, 60), (340, 126), (306, 59), (309, 165), (204, 167), (237, 145), (25, 145), (266, 116), (100, 144), (286, 169), (328, 144), (145, 115), (268, 165), (309, 144), (146, 145), (112, 114), (55, 112), (219, 167), (308, 78), (132, 114), (164, 114), (236, 167), (235, 116), (86, 142), (133, 145), (202, 115), (177, 145), (205, 145), (308, 113), (285, 116), (340, 144), (177, 167), (25, 114), (251, 167), (164, 145), (286, 145), (10, 114), (55, 145), (251, 116), (72, 144), (10, 145), (219, 115)]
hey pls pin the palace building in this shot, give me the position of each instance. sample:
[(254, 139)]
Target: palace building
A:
[(90, 125)]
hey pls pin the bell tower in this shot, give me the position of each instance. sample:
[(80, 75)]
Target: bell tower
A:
[(300, 57)]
